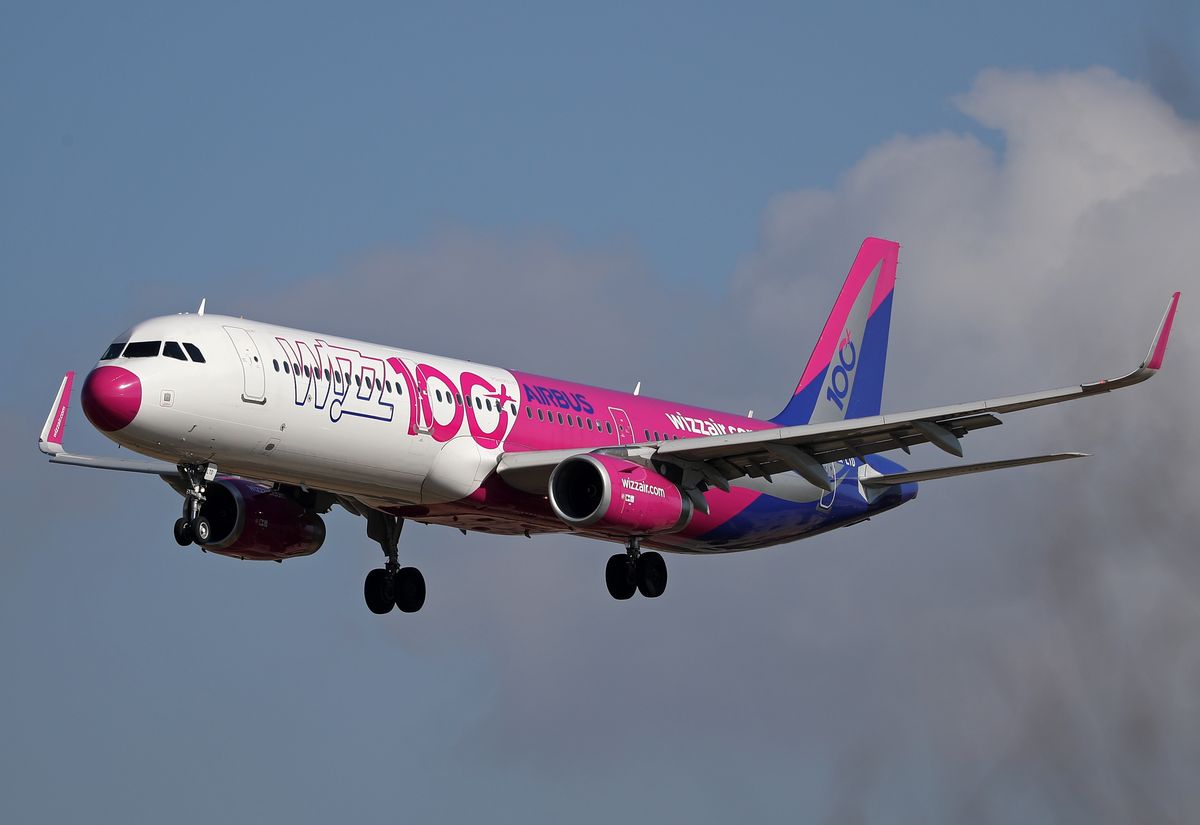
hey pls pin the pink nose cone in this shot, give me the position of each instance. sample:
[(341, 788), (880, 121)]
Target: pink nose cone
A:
[(111, 397)]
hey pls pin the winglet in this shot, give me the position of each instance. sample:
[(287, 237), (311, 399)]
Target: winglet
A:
[(1158, 348), (1154, 358), (50, 441)]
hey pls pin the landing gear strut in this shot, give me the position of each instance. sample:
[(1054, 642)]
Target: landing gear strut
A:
[(193, 527), (391, 585), (634, 570)]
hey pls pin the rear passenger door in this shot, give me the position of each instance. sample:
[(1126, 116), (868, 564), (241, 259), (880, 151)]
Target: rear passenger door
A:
[(254, 376)]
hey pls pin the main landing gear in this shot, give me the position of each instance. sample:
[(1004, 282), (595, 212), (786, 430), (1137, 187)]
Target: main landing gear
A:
[(633, 571), (391, 585), (193, 527)]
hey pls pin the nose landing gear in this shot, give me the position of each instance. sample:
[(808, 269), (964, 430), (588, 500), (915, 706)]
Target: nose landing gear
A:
[(635, 571), (193, 527), (391, 585)]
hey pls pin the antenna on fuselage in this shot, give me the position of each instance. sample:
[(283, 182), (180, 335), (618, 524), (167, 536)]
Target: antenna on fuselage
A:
[(638, 389), (203, 301)]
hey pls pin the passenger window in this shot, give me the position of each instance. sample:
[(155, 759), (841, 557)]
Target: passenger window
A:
[(287, 367), (172, 350), (647, 432), (194, 351), (399, 388), (570, 423), (608, 427), (378, 385), (113, 351), (589, 423), (326, 375), (143, 349), (438, 393), (458, 399), (337, 378), (275, 364), (656, 437), (307, 371), (560, 418), (529, 412), (540, 415), (388, 384)]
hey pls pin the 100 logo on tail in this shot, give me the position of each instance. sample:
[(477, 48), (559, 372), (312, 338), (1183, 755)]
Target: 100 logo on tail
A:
[(841, 379)]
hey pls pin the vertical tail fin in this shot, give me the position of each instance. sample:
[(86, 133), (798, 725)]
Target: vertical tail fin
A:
[(844, 375)]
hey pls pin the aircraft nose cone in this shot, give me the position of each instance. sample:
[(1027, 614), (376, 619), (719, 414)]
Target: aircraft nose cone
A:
[(111, 397)]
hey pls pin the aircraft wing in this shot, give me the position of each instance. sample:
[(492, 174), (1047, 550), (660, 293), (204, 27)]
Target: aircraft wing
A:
[(717, 460)]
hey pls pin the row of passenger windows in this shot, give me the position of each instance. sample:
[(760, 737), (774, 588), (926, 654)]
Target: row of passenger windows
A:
[(568, 420), (338, 378), (571, 420), (152, 349)]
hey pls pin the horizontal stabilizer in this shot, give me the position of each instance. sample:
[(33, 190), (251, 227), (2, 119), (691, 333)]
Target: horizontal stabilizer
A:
[(964, 469)]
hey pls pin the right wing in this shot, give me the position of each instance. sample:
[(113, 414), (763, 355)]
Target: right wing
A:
[(50, 442)]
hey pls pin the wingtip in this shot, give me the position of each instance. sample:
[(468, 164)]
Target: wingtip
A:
[(50, 441), (1158, 347)]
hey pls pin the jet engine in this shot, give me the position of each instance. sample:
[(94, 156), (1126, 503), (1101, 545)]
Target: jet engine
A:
[(251, 521), (612, 495)]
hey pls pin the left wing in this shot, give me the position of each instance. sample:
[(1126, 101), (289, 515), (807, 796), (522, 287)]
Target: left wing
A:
[(714, 461)]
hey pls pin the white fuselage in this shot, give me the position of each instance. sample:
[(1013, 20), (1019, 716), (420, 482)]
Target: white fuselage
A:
[(242, 410)]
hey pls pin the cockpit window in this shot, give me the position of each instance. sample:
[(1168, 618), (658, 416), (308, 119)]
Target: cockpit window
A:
[(194, 351), (143, 349), (171, 349), (113, 351)]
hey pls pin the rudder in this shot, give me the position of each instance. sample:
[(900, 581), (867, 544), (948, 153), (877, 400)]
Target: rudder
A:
[(844, 375)]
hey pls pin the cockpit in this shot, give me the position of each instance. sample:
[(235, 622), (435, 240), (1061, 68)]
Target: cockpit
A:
[(153, 349)]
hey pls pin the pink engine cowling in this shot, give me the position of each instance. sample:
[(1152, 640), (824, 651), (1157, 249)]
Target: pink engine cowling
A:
[(616, 496), (252, 522)]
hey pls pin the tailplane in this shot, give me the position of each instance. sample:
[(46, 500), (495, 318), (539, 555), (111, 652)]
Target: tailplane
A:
[(844, 375)]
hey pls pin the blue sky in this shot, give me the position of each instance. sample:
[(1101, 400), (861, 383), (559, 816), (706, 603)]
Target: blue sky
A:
[(514, 185)]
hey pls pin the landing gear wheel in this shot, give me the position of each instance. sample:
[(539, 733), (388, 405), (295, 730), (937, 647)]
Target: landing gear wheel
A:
[(377, 590), (183, 532), (619, 576), (409, 589), (651, 575), (201, 529)]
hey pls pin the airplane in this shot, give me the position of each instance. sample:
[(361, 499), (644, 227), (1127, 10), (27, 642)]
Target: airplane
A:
[(262, 429)]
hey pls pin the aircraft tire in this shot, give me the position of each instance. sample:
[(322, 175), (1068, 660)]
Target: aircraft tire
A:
[(183, 532), (619, 576), (201, 530), (409, 589), (377, 590), (651, 575)]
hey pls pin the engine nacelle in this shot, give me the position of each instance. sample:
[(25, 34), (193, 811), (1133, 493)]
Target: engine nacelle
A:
[(250, 521), (617, 496)]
